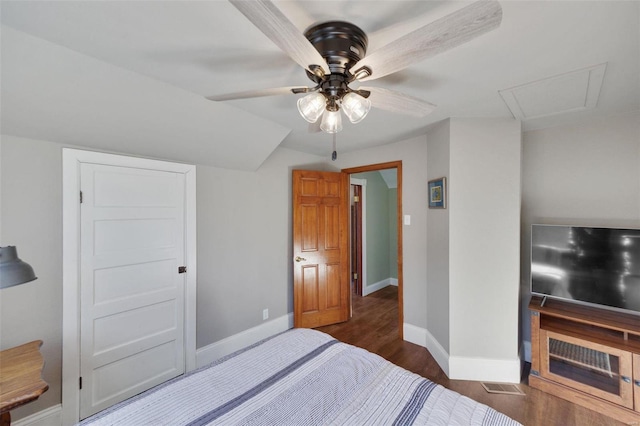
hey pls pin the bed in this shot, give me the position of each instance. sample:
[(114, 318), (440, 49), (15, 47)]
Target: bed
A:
[(299, 377)]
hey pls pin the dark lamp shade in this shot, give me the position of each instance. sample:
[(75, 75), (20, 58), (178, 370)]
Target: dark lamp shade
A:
[(13, 271)]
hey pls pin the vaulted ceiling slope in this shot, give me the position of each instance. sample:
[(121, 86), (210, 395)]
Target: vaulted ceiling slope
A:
[(132, 76)]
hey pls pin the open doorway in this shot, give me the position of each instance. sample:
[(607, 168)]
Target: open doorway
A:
[(377, 275)]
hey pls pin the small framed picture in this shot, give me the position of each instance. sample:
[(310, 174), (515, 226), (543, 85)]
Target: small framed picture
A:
[(438, 193)]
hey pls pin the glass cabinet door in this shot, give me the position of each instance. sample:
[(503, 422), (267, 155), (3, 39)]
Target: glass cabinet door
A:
[(596, 369)]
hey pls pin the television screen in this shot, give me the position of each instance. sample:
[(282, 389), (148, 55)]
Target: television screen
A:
[(588, 265)]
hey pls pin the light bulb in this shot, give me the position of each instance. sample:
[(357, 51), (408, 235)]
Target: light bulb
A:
[(311, 106), (331, 121), (355, 107)]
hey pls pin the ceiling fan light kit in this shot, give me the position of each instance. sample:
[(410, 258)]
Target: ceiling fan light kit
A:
[(331, 121), (311, 106), (329, 51), (355, 107), (341, 44)]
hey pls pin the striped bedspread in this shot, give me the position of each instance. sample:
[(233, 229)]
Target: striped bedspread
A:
[(300, 377)]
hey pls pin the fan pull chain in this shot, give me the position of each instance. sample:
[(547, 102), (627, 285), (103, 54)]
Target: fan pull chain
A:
[(334, 154)]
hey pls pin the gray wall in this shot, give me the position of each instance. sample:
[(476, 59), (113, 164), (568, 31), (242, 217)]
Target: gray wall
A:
[(413, 154), (484, 239), (437, 258), (245, 244), (31, 220), (585, 174), (473, 246), (244, 249)]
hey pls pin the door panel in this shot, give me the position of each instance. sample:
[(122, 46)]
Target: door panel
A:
[(333, 285), (309, 219), (332, 228), (116, 380), (310, 288), (320, 239), (132, 297)]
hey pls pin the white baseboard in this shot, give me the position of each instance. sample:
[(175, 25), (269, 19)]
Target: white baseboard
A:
[(217, 350), (461, 368), (51, 416), (366, 290), (483, 369), (414, 334), (393, 282), (422, 337)]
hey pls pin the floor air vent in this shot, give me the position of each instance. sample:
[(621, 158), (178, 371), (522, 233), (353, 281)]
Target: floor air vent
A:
[(505, 388)]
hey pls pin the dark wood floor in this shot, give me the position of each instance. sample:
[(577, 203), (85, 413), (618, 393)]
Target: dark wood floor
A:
[(374, 327)]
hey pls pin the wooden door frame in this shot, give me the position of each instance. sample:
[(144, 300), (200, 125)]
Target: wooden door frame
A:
[(71, 161), (398, 166), (363, 226)]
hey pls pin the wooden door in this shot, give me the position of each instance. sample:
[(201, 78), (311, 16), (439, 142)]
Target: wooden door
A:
[(320, 248), (131, 294)]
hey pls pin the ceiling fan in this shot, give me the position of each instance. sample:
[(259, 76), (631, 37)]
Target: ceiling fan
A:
[(334, 56)]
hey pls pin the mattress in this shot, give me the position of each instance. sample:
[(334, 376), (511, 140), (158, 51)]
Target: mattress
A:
[(300, 377)]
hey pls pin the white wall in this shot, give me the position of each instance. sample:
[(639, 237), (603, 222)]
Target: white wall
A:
[(484, 239), (438, 240), (584, 174)]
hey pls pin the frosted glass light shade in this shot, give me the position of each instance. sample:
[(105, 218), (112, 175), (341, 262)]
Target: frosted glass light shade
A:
[(311, 106), (331, 122), (355, 107)]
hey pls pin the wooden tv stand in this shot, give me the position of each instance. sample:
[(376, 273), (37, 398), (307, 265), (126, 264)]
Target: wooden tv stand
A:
[(588, 356)]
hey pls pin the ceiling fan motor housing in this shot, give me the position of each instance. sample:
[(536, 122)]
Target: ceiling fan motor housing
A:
[(340, 43)]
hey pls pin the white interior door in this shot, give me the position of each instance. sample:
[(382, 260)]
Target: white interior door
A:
[(132, 297)]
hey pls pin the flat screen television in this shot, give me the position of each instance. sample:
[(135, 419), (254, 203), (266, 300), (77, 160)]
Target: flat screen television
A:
[(587, 265)]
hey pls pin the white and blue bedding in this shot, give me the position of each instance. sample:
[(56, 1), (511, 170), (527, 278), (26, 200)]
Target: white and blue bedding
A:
[(300, 377)]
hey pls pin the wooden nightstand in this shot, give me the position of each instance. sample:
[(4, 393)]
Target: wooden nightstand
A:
[(20, 378)]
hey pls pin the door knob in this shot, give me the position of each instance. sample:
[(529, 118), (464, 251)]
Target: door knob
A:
[(300, 259)]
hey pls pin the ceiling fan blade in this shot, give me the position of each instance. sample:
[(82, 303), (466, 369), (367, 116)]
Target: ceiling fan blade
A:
[(441, 35), (260, 93), (275, 25), (390, 100)]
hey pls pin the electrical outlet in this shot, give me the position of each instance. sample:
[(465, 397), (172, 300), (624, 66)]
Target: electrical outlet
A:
[(265, 314)]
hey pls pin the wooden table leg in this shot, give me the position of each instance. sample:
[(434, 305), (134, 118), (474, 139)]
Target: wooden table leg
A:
[(5, 419)]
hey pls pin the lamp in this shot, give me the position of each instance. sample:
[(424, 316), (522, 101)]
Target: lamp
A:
[(311, 106), (13, 271), (331, 121), (355, 107)]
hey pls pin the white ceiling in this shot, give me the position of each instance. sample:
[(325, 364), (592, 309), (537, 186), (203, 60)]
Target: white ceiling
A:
[(132, 76)]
